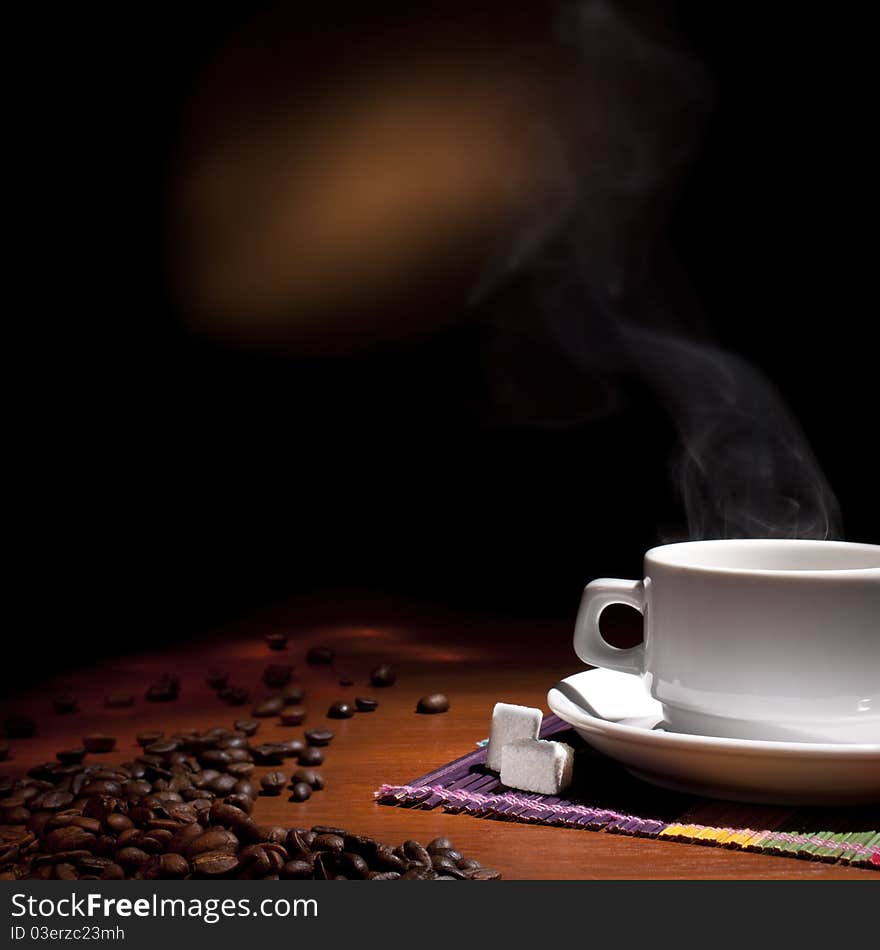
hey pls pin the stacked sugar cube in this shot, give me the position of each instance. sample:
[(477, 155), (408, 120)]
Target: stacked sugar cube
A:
[(525, 761)]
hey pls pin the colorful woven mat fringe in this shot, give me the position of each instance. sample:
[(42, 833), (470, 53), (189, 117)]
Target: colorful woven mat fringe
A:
[(620, 804)]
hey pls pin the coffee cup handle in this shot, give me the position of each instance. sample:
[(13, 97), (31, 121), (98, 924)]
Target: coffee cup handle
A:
[(588, 642)]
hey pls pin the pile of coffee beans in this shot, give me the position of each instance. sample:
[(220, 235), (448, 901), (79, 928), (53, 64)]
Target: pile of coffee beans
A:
[(181, 810)]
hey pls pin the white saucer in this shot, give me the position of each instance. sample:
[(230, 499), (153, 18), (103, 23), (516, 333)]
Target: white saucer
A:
[(616, 715)]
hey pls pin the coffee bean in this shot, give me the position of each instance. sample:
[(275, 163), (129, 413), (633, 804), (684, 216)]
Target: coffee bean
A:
[(66, 872), (162, 747), (70, 756), (17, 798), (366, 705), (113, 872), (31, 790), (340, 710), (272, 834), (383, 675), (326, 867), (328, 842), (444, 865), (328, 830), (243, 802), (276, 641), (148, 738), (318, 737), (240, 742), (99, 743), (118, 700), (483, 874), (64, 704), (291, 748), (346, 681), (318, 656), (432, 704), (69, 838), (440, 844), (293, 695), (170, 866), (217, 680), (237, 756), (273, 782), (293, 716), (183, 837), (277, 675), (354, 866), (311, 756), (234, 695), (259, 860), (417, 874), (248, 726), (298, 842), (223, 784), (214, 759), (301, 791), (68, 819), (14, 814), (137, 769), (214, 839), (93, 863), (240, 769), (118, 823), (269, 707), (131, 858), (269, 753), (296, 870), (43, 773), (244, 786), (416, 853), (383, 876), (136, 789), (19, 727), (52, 801), (312, 778), (214, 863)]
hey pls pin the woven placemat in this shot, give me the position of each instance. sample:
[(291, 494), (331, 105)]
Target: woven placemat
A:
[(613, 801)]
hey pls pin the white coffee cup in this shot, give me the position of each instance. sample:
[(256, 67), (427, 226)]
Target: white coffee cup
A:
[(752, 639)]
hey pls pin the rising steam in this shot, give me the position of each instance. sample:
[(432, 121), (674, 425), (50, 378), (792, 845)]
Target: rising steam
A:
[(596, 260)]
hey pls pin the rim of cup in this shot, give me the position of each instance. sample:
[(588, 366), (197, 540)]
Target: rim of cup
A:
[(698, 556)]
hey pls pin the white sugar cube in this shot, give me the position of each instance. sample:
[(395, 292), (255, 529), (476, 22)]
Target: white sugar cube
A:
[(537, 765), (510, 722)]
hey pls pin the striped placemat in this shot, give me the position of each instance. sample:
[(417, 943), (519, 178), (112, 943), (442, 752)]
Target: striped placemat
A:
[(617, 803)]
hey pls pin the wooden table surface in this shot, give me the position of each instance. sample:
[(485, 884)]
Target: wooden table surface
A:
[(475, 659)]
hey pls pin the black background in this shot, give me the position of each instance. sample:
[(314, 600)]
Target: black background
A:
[(167, 483)]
